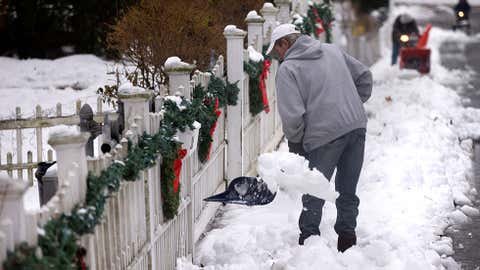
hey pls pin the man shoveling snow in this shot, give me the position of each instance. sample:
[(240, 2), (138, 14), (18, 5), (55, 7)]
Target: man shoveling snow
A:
[(320, 91)]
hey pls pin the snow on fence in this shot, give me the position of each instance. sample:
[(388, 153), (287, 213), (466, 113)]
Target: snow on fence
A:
[(133, 233)]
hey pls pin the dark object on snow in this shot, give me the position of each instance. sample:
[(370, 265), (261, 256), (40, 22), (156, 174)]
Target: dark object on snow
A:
[(245, 190), (47, 186), (346, 241), (88, 124)]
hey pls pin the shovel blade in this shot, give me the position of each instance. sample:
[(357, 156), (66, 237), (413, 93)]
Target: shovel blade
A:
[(246, 191)]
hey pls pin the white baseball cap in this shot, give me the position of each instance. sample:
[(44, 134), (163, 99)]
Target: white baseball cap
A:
[(279, 32)]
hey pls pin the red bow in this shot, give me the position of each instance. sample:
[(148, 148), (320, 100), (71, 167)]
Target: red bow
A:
[(319, 23), (177, 168), (212, 128), (263, 87)]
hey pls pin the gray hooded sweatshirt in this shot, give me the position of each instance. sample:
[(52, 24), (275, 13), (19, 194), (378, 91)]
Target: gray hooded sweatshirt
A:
[(320, 92)]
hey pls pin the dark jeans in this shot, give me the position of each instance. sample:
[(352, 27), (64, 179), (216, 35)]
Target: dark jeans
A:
[(395, 52), (346, 155)]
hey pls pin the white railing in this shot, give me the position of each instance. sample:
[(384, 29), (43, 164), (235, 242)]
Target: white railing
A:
[(133, 233)]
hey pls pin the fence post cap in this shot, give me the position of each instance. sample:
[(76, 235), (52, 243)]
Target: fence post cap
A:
[(268, 8), (129, 91), (254, 18), (232, 31), (12, 188), (175, 65), (63, 136)]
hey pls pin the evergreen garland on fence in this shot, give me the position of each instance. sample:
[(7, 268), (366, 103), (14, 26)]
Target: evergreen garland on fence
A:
[(317, 14), (57, 242), (203, 100), (206, 117), (254, 70)]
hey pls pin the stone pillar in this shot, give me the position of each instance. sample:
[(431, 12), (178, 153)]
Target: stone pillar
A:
[(269, 13), (178, 76), (13, 218), (69, 147), (284, 11), (235, 38), (255, 30), (135, 104)]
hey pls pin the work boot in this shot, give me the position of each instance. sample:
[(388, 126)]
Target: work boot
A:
[(345, 241), (301, 239)]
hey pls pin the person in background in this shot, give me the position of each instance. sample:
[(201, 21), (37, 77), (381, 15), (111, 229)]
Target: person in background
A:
[(321, 91), (463, 6), (404, 25)]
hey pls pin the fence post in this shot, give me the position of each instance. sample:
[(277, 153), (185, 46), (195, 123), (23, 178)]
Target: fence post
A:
[(13, 211), (255, 30), (269, 13), (299, 6), (284, 10), (179, 75), (235, 73), (135, 103), (69, 147)]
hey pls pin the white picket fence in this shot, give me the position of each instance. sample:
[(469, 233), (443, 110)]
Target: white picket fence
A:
[(32, 129), (133, 233)]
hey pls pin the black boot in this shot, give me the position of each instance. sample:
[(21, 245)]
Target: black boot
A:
[(345, 241), (302, 238)]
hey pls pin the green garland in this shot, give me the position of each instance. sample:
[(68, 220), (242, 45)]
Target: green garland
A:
[(308, 24), (179, 119), (206, 117), (254, 70), (57, 242), (203, 100)]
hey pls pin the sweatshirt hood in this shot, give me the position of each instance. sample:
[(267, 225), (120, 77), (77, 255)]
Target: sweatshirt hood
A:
[(305, 48)]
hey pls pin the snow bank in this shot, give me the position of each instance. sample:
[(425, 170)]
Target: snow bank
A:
[(26, 83)]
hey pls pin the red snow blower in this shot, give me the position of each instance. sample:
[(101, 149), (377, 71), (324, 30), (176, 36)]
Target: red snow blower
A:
[(413, 54)]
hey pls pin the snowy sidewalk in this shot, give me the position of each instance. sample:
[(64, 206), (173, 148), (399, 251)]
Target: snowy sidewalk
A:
[(417, 163)]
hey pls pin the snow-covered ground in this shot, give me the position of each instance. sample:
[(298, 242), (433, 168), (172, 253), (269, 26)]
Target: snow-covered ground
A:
[(32, 82), (418, 162), (26, 83)]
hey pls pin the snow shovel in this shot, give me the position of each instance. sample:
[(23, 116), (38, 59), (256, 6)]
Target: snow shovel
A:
[(246, 191)]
